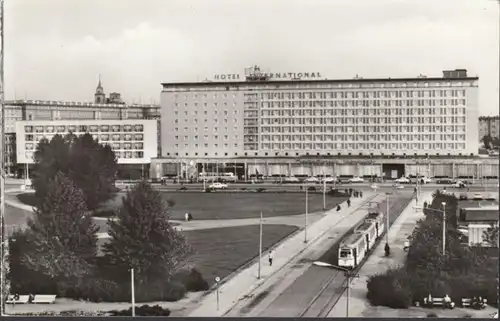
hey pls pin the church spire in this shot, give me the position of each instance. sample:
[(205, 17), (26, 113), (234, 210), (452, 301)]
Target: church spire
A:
[(99, 84)]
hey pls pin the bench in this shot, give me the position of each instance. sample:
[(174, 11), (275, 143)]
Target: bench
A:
[(466, 303), (438, 302), (23, 299), (44, 298)]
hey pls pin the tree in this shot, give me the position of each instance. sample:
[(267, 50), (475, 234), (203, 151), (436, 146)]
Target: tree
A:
[(83, 160), (143, 238), (487, 141), (62, 234), (490, 236)]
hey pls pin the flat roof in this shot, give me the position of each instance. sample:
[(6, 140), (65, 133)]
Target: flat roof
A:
[(486, 215), (351, 239), (312, 81), (363, 226)]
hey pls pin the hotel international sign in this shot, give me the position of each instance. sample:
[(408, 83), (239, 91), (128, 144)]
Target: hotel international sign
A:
[(277, 75)]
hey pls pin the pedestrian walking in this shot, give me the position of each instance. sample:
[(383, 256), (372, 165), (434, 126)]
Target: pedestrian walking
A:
[(349, 203), (271, 254), (361, 194)]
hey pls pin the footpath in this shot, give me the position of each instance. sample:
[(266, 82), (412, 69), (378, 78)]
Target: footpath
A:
[(242, 284), (377, 263)]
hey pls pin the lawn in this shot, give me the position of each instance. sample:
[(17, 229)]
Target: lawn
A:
[(221, 251), (208, 206), (396, 206)]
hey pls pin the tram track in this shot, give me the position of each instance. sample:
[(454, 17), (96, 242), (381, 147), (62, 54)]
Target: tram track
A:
[(329, 294)]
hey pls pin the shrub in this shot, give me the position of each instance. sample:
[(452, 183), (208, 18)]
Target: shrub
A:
[(194, 281), (144, 311), (390, 289), (260, 189), (27, 198)]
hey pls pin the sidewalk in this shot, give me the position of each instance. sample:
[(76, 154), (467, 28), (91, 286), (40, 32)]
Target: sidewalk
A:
[(240, 285), (377, 263)]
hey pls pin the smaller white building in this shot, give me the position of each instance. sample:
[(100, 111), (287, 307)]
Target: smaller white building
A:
[(134, 141), (478, 220)]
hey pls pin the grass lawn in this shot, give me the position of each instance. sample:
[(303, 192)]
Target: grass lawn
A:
[(221, 251), (396, 206), (208, 206)]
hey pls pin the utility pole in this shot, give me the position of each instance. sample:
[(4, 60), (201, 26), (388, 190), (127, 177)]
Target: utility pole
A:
[(444, 227), (387, 218), (132, 290)]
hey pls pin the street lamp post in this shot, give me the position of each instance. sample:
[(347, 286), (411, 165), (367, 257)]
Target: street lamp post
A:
[(132, 290), (217, 280), (444, 221), (305, 218), (260, 246), (444, 227), (387, 218)]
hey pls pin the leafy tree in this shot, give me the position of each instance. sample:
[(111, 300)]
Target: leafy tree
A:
[(490, 236), (487, 140), (62, 234), (83, 160), (143, 238), (495, 142)]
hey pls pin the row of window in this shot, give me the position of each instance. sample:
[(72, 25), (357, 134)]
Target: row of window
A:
[(357, 121), (119, 154), (355, 112), (215, 121), (364, 103), (215, 112), (364, 146), (206, 129), (206, 145), (101, 137), (365, 94), (114, 146), (382, 137), (360, 129), (83, 128), (216, 137)]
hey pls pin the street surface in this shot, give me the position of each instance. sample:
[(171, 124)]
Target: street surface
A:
[(300, 297)]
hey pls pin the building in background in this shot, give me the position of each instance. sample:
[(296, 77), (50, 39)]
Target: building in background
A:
[(489, 126), (134, 141), (262, 117), (303, 124), (102, 109)]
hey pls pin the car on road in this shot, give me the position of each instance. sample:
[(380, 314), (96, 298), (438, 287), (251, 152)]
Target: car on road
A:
[(218, 186), (425, 180), (463, 197), (477, 196), (311, 188), (331, 180), (460, 184), (403, 180), (291, 179), (311, 180), (356, 179), (444, 181)]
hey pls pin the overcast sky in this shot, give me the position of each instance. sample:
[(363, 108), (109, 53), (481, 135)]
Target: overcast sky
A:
[(55, 49)]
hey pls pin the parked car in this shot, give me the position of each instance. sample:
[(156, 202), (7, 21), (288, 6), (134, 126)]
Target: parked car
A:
[(403, 180), (311, 180), (463, 196), (356, 180), (490, 197), (425, 180), (477, 196), (444, 181), (311, 188), (460, 184), (291, 179), (218, 186), (331, 180)]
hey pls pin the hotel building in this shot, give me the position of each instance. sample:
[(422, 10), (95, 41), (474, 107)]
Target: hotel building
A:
[(280, 121)]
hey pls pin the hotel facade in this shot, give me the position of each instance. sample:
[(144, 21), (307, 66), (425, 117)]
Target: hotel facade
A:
[(265, 120)]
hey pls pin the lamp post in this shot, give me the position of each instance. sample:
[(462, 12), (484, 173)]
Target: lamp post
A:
[(349, 275), (444, 221), (132, 290), (217, 280), (388, 194), (260, 246), (305, 218), (444, 227)]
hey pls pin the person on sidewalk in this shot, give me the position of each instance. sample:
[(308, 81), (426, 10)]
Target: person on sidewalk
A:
[(406, 246), (338, 208), (360, 194), (348, 202), (270, 255)]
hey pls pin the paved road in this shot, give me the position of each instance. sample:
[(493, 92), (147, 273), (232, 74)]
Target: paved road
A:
[(294, 300)]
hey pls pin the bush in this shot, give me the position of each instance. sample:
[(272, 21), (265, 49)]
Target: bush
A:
[(194, 281), (143, 311), (260, 190), (390, 289), (27, 198), (105, 213)]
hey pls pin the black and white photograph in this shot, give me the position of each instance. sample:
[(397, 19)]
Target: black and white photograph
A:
[(250, 158)]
